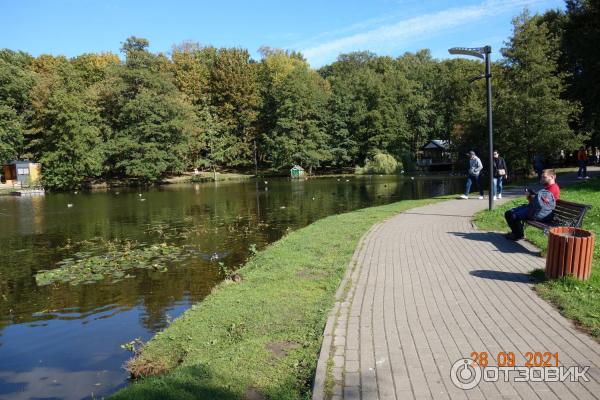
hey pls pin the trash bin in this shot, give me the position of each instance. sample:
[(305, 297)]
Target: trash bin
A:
[(570, 252)]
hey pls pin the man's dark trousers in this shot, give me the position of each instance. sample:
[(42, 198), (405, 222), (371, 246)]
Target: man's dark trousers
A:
[(515, 217)]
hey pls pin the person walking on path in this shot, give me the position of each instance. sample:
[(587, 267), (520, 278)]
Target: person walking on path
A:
[(597, 155), (538, 165), (515, 217), (562, 157), (475, 168), (499, 175), (582, 160)]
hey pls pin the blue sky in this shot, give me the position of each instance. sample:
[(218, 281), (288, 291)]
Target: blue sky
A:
[(320, 29)]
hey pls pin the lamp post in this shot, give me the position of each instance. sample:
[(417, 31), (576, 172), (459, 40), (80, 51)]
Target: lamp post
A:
[(484, 54)]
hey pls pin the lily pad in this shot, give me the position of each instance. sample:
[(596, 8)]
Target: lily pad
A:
[(118, 258)]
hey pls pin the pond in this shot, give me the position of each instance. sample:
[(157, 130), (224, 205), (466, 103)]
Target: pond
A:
[(63, 341)]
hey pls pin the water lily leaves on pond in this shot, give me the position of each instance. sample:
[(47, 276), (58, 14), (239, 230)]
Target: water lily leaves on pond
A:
[(119, 257)]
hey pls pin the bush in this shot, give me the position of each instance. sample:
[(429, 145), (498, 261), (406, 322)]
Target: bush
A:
[(382, 163)]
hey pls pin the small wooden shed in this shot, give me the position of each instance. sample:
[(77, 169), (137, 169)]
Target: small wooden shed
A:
[(297, 172), (22, 172), (435, 153)]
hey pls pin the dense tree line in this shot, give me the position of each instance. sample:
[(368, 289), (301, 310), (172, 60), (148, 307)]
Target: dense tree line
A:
[(98, 116)]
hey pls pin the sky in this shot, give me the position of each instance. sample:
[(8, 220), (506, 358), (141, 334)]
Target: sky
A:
[(320, 29)]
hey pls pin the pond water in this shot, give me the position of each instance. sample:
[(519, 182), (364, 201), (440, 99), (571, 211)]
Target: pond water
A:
[(62, 341)]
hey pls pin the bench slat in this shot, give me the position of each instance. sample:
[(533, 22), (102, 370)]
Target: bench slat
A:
[(566, 213), (569, 214)]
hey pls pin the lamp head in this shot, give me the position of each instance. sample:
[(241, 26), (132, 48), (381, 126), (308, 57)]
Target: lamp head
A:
[(469, 51)]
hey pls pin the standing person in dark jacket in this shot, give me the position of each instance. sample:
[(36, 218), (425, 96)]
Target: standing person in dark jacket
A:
[(500, 172)]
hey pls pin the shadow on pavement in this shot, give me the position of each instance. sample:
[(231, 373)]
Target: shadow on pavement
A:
[(497, 239), (503, 276)]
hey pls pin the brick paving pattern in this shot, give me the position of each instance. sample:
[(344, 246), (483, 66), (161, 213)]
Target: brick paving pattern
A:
[(427, 289)]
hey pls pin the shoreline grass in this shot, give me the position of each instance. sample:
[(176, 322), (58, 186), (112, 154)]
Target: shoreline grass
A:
[(577, 300), (259, 338)]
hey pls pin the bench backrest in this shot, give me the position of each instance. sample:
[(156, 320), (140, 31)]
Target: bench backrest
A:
[(568, 213)]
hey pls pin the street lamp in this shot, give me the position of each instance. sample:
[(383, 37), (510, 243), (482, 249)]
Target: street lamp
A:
[(484, 54)]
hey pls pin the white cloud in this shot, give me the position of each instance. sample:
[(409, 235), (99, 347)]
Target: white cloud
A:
[(425, 25)]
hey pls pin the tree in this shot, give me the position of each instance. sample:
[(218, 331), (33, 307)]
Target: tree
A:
[(276, 65), (71, 150), (299, 136), (530, 110), (136, 52), (581, 61), (11, 133), (152, 122), (155, 136), (16, 81), (235, 97), (191, 71), (369, 98), (427, 80), (211, 146), (94, 67), (344, 146), (461, 103)]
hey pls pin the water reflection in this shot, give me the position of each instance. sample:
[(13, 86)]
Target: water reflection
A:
[(57, 383), (75, 332)]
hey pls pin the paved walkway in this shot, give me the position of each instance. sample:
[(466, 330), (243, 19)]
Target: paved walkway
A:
[(427, 289)]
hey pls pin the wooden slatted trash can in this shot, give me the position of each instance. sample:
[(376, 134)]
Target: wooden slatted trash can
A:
[(570, 252)]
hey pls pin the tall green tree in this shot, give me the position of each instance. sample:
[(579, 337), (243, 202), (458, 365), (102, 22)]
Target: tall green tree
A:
[(274, 68), (369, 98), (581, 56), (94, 67), (11, 134), (71, 150), (16, 81), (65, 134), (191, 68), (344, 145), (531, 111), (462, 104), (152, 122), (424, 122), (155, 136), (235, 97), (300, 135)]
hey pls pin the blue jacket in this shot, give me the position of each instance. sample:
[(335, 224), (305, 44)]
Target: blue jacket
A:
[(475, 166)]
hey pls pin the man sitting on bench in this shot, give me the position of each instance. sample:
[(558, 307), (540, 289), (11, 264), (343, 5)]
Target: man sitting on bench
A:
[(540, 206)]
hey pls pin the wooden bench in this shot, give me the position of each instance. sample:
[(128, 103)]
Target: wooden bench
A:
[(566, 213)]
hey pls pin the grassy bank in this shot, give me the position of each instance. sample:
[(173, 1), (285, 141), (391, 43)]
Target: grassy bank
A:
[(259, 338), (577, 300)]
